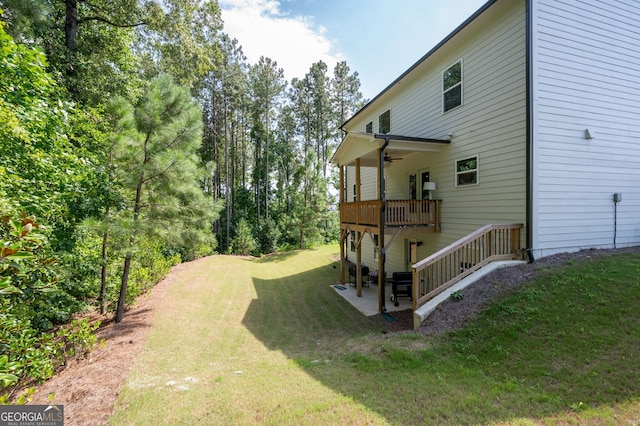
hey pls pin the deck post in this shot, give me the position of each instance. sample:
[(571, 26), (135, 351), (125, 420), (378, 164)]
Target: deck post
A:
[(358, 235), (415, 289), (381, 277), (343, 240)]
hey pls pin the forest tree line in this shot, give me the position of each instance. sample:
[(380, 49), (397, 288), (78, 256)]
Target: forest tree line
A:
[(135, 135)]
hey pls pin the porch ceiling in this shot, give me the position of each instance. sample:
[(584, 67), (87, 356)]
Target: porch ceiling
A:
[(365, 146)]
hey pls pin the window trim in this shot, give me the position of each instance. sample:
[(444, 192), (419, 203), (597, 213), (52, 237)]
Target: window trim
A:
[(368, 128), (460, 84), (379, 117), (476, 171)]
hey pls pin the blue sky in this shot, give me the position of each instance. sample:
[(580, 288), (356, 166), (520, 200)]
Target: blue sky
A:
[(379, 39)]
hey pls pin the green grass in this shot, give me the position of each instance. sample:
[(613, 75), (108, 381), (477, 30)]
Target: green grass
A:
[(267, 341)]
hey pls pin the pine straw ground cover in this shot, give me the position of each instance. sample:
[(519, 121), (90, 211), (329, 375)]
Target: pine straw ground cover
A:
[(267, 341)]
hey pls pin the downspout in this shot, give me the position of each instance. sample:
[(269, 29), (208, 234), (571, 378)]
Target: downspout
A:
[(530, 138), (383, 250)]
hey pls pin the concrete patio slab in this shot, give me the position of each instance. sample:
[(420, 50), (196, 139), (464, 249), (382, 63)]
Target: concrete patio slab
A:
[(368, 302)]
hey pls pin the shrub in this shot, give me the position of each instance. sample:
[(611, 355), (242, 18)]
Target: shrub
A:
[(30, 303), (243, 243), (269, 237), (149, 266)]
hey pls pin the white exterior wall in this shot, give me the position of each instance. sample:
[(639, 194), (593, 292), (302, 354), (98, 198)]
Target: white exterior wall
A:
[(491, 124), (586, 74), (369, 180)]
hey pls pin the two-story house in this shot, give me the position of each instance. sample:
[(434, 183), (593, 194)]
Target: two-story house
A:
[(517, 136)]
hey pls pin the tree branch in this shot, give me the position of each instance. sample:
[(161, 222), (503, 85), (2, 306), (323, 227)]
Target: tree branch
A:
[(108, 22), (160, 173)]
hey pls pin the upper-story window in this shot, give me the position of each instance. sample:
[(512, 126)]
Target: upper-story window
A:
[(467, 171), (384, 122), (452, 87), (369, 127)]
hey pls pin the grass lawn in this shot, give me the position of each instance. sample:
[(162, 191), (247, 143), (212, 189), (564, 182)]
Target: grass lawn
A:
[(267, 341)]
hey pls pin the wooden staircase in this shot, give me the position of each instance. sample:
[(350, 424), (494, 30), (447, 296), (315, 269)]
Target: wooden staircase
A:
[(450, 265)]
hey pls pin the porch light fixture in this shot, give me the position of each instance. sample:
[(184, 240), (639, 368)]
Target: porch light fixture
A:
[(429, 186)]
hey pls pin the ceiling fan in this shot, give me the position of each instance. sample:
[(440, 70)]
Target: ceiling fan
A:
[(389, 159)]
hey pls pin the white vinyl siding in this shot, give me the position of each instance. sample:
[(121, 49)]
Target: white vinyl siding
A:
[(491, 124), (586, 75), (369, 180)]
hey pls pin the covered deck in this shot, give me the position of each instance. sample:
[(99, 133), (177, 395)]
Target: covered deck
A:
[(380, 216), (396, 213)]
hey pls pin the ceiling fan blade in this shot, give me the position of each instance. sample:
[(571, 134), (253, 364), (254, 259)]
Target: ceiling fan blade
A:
[(391, 159)]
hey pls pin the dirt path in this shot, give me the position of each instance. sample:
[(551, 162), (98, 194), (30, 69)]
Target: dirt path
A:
[(88, 388)]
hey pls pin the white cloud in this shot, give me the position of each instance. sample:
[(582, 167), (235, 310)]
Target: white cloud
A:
[(263, 30)]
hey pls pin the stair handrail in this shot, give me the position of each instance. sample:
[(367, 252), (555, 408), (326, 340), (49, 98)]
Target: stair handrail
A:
[(466, 255)]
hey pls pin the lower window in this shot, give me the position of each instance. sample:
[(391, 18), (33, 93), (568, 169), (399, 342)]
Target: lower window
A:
[(467, 171)]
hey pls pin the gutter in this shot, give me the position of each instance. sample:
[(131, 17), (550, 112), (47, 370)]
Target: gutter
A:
[(383, 251), (530, 138)]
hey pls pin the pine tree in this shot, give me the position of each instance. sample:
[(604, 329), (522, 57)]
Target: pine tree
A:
[(268, 84), (156, 150)]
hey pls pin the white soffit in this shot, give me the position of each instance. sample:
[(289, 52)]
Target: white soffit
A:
[(365, 146)]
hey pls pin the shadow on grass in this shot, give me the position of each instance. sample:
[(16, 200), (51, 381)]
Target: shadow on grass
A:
[(457, 379), (276, 257), (296, 312)]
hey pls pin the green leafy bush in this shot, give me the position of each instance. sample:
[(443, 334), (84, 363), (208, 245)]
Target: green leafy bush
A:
[(76, 339), (26, 279), (269, 237), (149, 266), (243, 243), (30, 304)]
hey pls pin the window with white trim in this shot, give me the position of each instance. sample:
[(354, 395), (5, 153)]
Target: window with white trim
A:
[(384, 122), (369, 127), (452, 87), (467, 171)]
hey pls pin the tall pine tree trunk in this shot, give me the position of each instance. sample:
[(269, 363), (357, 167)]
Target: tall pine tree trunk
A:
[(266, 185), (257, 174), (103, 270), (229, 198), (127, 260), (71, 26), (123, 288)]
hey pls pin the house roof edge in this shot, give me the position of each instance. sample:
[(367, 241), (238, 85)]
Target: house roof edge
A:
[(437, 47)]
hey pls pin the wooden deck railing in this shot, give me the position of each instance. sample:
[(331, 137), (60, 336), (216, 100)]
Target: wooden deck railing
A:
[(443, 269), (397, 213), (361, 212)]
